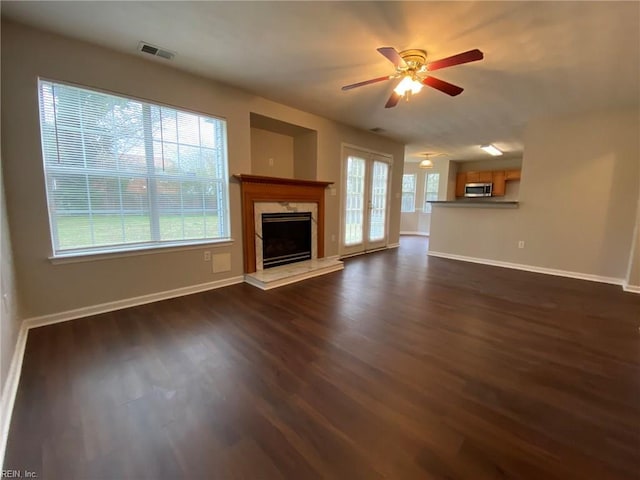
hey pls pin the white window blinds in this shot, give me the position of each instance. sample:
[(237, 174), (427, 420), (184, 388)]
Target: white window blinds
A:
[(123, 174)]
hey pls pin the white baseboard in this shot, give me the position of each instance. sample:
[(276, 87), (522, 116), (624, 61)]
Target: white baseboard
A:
[(530, 268), (35, 322), (386, 247), (631, 288), (11, 389), (421, 234), (13, 378)]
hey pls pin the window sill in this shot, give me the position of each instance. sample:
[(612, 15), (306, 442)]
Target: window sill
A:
[(134, 252)]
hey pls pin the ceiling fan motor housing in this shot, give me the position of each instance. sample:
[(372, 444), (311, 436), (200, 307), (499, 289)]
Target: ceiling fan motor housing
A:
[(414, 58)]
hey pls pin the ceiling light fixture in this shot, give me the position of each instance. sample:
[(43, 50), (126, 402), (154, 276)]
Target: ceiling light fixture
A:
[(426, 163), (406, 85), (491, 150)]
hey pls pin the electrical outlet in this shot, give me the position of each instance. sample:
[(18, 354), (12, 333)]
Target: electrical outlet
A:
[(207, 256), (520, 243)]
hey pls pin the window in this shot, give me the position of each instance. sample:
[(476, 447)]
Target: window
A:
[(431, 186), (408, 192), (122, 174)]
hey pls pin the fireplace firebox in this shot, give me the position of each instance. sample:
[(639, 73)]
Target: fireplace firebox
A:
[(286, 238)]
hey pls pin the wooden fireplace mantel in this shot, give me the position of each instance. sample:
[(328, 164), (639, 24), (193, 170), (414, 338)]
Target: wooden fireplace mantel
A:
[(257, 188)]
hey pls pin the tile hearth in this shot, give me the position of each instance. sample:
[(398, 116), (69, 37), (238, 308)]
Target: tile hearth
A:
[(293, 272)]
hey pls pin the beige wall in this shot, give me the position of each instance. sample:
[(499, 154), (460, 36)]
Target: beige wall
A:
[(578, 195), (48, 288), (9, 323), (271, 154), (305, 161)]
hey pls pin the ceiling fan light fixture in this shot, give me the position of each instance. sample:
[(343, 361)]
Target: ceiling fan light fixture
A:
[(408, 84), (491, 150), (412, 66), (416, 86)]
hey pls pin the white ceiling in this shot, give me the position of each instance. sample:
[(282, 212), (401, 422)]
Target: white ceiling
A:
[(541, 58)]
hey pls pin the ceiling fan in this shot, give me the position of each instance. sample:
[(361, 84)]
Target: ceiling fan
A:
[(412, 66)]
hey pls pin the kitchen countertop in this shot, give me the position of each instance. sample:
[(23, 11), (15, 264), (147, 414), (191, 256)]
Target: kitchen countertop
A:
[(476, 203)]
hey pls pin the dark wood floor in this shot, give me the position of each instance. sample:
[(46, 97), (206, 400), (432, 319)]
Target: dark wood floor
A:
[(399, 367)]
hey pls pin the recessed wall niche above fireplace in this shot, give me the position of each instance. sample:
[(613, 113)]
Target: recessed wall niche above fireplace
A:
[(282, 200)]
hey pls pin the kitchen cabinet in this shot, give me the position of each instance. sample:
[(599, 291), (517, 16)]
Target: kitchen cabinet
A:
[(478, 177), (512, 174), (461, 180), (497, 177), (485, 177), (499, 183), (472, 177)]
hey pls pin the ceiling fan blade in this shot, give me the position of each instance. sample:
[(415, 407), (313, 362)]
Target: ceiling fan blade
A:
[(466, 57), (393, 56), (393, 100), (366, 82), (446, 87)]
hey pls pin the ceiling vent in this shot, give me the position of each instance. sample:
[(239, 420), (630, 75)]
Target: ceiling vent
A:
[(145, 47)]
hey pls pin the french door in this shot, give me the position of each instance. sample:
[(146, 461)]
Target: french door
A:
[(365, 193)]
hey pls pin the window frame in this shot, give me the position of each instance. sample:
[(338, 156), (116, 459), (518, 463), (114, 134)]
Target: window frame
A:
[(80, 254), (412, 193), (427, 205)]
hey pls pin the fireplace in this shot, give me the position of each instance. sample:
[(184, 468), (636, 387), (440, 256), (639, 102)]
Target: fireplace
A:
[(286, 204), (286, 238), (287, 223), (278, 195)]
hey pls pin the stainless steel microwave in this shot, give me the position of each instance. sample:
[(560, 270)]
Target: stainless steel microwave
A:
[(478, 189)]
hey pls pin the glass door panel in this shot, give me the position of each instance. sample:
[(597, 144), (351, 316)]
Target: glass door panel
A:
[(365, 188), (378, 205), (354, 201)]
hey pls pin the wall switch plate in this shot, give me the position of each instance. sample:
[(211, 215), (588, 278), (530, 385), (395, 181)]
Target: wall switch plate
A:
[(271, 162), (520, 243)]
